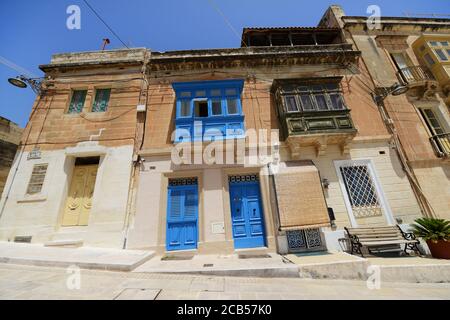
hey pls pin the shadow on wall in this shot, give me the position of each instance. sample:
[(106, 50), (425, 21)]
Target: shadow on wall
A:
[(397, 165)]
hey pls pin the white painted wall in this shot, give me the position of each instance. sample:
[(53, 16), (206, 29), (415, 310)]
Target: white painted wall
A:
[(40, 215)]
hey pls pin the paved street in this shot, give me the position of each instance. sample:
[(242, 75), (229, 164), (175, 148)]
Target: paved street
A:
[(29, 282)]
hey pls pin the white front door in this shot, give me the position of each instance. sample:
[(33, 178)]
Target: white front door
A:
[(363, 196)]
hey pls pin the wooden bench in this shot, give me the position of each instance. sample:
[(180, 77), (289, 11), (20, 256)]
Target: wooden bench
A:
[(380, 237)]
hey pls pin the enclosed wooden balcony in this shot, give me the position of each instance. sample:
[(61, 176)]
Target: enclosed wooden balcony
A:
[(313, 113), (319, 129)]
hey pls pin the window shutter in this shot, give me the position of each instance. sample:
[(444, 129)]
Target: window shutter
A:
[(190, 204), (77, 102), (37, 179), (176, 198), (101, 100)]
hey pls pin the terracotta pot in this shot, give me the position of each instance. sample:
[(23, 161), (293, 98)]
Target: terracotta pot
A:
[(440, 249)]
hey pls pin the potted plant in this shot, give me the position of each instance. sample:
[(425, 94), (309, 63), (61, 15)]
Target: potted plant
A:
[(436, 232)]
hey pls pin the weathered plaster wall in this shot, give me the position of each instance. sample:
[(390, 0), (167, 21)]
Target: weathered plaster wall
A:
[(10, 135)]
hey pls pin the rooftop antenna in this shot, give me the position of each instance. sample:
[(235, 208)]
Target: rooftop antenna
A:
[(105, 42)]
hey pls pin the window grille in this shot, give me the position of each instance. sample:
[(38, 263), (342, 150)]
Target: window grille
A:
[(361, 191), (183, 181), (300, 240)]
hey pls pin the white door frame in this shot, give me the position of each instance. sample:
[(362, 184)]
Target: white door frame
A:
[(383, 201)]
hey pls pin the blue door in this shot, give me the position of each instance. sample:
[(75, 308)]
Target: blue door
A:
[(246, 213), (182, 213)]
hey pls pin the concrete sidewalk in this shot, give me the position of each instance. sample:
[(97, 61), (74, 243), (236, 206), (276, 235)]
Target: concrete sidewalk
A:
[(83, 257), (322, 265)]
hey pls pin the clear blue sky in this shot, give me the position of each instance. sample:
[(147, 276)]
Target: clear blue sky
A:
[(31, 31)]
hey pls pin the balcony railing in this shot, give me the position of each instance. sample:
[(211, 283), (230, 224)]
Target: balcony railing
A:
[(414, 75), (441, 143)]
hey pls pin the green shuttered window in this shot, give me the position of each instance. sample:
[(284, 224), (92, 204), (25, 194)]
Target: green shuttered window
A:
[(77, 101), (101, 100)]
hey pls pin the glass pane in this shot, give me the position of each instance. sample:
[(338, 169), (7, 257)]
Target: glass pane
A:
[(306, 102), (317, 88), (441, 54), (444, 43), (336, 102), (433, 43), (101, 100), (433, 121), (448, 52), (291, 104), (303, 88), (200, 93), (429, 59), (288, 88), (321, 102), (77, 102), (232, 106), (216, 92), (216, 107), (185, 110), (332, 86), (429, 113), (231, 92)]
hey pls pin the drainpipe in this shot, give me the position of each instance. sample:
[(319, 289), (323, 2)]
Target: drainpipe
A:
[(274, 188), (134, 171)]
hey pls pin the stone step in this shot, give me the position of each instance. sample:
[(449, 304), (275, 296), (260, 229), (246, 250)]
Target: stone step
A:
[(64, 243), (82, 257)]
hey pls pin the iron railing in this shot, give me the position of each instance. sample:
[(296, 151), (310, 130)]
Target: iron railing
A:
[(441, 143), (414, 74)]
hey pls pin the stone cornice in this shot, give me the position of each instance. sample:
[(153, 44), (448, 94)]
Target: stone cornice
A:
[(252, 56)]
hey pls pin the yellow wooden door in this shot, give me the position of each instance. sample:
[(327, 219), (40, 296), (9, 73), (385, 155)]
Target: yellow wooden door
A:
[(79, 200)]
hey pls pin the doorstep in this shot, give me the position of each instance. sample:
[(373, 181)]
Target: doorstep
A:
[(261, 265), (82, 257)]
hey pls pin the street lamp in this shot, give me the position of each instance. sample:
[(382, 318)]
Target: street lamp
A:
[(396, 89), (23, 82)]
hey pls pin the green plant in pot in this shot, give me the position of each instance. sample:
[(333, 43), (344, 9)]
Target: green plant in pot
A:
[(436, 232)]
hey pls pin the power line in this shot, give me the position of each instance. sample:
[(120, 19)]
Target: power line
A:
[(17, 68), (104, 22), (216, 7)]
